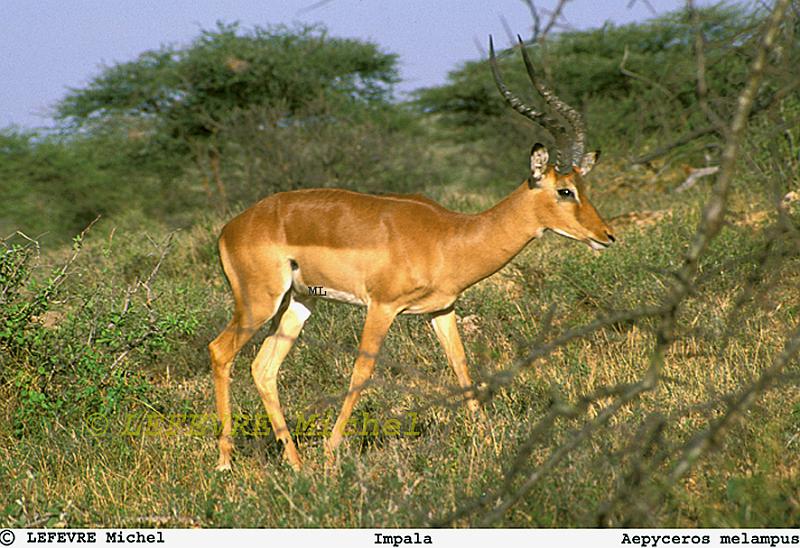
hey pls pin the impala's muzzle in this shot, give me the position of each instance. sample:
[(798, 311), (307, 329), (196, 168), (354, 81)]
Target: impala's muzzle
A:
[(600, 245)]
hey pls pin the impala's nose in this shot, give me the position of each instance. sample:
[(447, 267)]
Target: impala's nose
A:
[(611, 237)]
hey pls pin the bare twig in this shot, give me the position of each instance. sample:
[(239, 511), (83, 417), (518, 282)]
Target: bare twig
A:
[(690, 136), (554, 17), (701, 89), (589, 429), (482, 53), (314, 6), (627, 72), (695, 175), (679, 141), (509, 33), (707, 439), (540, 32), (165, 248), (711, 223), (647, 4), (714, 211), (537, 20)]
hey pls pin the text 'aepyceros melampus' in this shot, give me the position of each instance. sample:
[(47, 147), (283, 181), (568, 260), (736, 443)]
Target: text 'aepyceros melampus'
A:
[(392, 254)]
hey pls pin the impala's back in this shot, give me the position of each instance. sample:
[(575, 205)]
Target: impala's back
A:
[(342, 245)]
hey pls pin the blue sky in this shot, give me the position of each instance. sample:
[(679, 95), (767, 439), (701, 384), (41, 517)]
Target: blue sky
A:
[(49, 46)]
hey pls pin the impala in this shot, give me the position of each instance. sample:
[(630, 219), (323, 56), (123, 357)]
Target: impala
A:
[(393, 254)]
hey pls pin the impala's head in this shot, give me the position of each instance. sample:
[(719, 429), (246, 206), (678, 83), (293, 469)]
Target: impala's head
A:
[(560, 196), (561, 201)]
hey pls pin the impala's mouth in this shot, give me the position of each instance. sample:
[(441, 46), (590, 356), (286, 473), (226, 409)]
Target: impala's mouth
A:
[(599, 246), (591, 242)]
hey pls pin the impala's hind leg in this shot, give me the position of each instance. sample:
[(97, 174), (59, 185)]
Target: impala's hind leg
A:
[(223, 350), (255, 304), (286, 328)]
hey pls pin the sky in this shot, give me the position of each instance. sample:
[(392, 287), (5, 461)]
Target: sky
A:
[(50, 46)]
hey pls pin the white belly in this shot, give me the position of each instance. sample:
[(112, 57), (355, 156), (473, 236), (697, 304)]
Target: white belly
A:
[(305, 291), (341, 296)]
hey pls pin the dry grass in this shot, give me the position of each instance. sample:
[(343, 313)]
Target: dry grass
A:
[(71, 477)]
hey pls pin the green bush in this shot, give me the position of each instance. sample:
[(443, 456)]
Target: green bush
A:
[(371, 150), (228, 118), (55, 185), (624, 112), (64, 361)]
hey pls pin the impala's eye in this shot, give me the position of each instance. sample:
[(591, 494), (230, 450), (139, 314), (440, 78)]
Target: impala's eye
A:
[(565, 193)]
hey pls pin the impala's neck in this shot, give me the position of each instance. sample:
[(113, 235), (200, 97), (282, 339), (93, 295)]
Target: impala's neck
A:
[(489, 240)]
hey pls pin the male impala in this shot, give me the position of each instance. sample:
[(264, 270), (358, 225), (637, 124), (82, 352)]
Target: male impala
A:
[(392, 254)]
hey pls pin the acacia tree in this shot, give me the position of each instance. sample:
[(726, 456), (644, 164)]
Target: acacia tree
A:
[(177, 98)]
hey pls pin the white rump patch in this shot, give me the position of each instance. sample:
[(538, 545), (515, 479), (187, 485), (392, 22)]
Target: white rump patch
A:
[(300, 310)]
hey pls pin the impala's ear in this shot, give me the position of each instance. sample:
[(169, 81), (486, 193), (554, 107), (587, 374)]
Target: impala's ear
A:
[(588, 161), (539, 157)]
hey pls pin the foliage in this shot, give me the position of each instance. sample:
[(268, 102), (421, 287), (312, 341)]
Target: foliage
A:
[(54, 185), (179, 94), (362, 151), (584, 67), (143, 134), (32, 168), (65, 364)]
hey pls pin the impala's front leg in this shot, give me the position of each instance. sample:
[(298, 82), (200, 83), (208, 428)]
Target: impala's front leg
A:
[(379, 319), (446, 329)]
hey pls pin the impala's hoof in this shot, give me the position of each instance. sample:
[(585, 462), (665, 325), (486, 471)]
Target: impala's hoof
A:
[(330, 455), (295, 463), (223, 467)]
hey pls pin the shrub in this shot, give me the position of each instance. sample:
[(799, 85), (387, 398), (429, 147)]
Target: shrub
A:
[(64, 361)]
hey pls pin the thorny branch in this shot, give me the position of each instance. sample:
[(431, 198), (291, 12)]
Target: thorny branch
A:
[(150, 297), (631, 74), (539, 31), (501, 499), (712, 129), (701, 90)]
